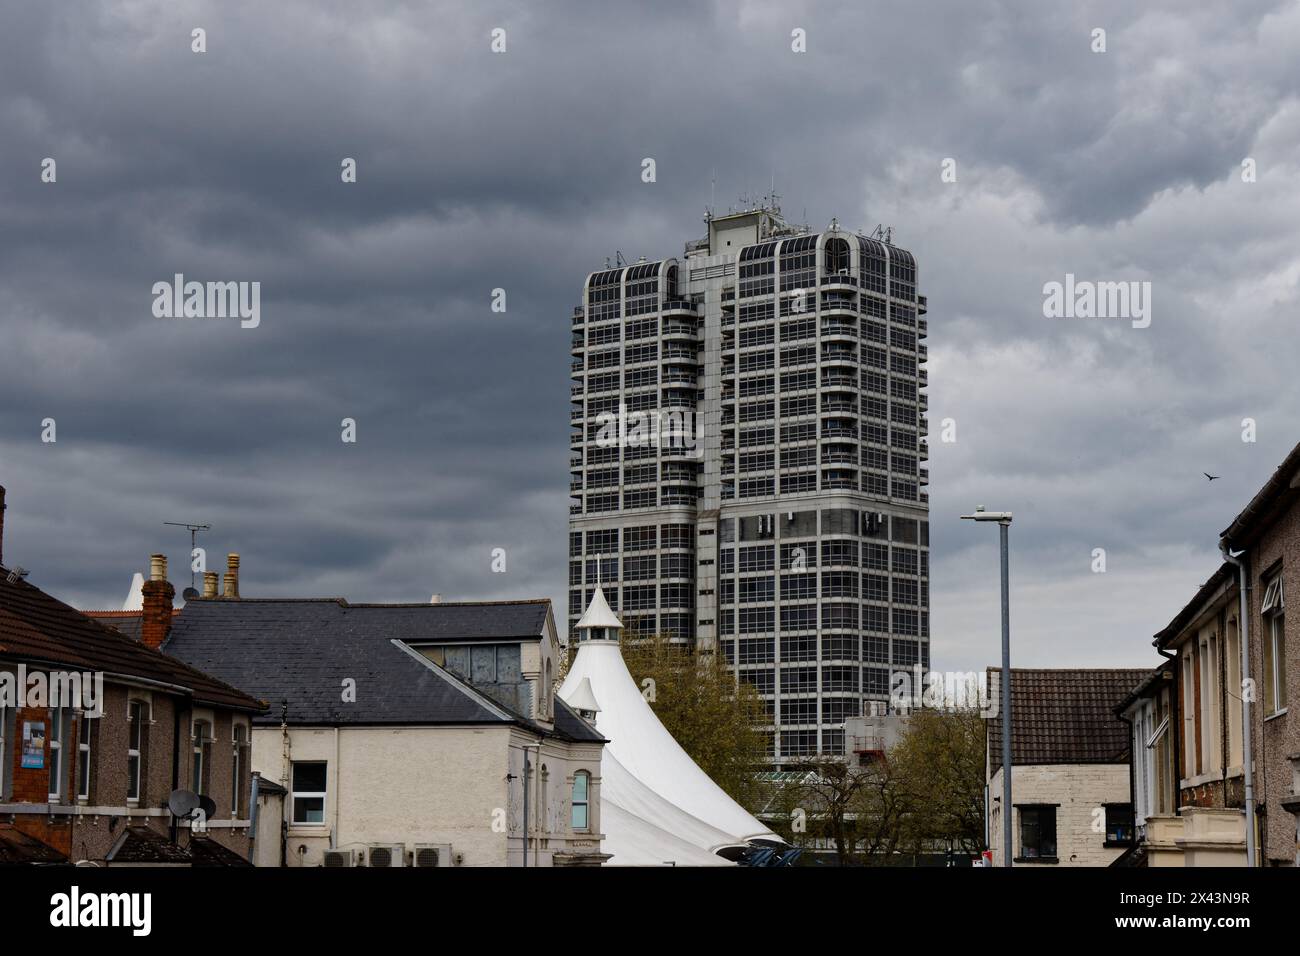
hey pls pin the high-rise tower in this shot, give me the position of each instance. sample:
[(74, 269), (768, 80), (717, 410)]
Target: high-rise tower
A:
[(747, 463)]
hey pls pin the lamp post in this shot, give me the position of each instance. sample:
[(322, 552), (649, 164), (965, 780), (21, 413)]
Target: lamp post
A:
[(1003, 518)]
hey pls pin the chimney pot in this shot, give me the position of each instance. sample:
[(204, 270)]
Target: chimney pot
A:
[(157, 567), (232, 575), (210, 584)]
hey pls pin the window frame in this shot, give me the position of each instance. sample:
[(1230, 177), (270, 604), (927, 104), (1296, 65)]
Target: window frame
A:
[(136, 721), (84, 750), (1036, 810), (56, 739), (295, 795), (1273, 640), (584, 803)]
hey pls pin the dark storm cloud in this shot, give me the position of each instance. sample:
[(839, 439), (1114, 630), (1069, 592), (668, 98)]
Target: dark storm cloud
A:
[(521, 171)]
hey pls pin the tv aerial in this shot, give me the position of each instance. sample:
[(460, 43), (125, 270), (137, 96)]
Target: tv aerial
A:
[(191, 592)]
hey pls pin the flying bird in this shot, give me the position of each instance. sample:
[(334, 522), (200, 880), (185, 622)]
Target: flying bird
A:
[(1210, 476)]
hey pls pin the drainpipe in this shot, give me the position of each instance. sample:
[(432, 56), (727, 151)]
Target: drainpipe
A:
[(1248, 761), (525, 806)]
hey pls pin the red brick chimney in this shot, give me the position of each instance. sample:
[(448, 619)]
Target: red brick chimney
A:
[(2, 524), (156, 620)]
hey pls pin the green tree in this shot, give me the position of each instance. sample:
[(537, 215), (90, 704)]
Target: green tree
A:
[(699, 702), (939, 763)]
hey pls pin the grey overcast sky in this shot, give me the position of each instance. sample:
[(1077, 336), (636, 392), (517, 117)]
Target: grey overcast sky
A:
[(522, 169)]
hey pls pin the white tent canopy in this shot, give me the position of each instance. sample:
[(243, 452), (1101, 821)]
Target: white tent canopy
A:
[(652, 785)]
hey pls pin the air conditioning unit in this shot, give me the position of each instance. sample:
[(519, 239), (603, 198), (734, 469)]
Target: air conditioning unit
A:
[(432, 854), (337, 858), (386, 855)]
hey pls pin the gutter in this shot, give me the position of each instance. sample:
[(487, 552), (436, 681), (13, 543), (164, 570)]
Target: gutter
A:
[(1243, 635)]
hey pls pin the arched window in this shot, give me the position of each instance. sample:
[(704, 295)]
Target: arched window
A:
[(836, 253), (579, 816)]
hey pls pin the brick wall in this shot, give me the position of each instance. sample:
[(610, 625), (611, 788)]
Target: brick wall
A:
[(1076, 790), (1278, 737)]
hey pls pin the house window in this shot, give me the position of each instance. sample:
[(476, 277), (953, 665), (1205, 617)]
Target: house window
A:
[(308, 792), (134, 748), (1119, 823), (202, 754), (239, 761), (58, 756), (1274, 611), (1037, 832), (87, 731), (581, 798)]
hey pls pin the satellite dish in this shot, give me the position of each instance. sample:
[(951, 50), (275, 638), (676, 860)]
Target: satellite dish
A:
[(183, 803), (190, 594), (209, 806)]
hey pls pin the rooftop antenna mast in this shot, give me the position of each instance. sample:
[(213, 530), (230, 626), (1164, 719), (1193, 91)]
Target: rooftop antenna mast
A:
[(194, 530)]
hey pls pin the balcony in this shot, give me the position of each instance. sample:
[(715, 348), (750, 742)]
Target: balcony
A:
[(849, 382), (680, 330), (921, 305), (579, 316), (839, 479), (842, 278), (839, 407), (839, 328), (845, 428), (833, 354)]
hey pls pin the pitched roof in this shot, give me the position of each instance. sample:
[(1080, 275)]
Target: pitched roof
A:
[(17, 848), (1063, 716), (1221, 579), (300, 652), (37, 627), (1278, 493), (140, 844), (205, 851)]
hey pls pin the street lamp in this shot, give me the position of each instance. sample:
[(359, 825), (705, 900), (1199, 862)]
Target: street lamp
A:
[(1003, 518)]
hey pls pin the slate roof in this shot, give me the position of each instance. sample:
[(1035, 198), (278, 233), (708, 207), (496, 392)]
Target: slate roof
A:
[(36, 627), (302, 650), (1063, 716)]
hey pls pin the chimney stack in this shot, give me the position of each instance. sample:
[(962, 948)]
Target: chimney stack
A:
[(2, 524), (232, 576), (210, 584), (157, 595)]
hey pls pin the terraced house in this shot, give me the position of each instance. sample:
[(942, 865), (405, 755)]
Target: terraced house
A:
[(88, 780)]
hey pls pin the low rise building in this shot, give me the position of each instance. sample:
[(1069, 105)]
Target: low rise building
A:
[(407, 734), (86, 775), (1070, 767)]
